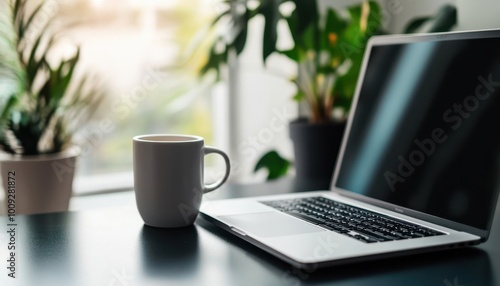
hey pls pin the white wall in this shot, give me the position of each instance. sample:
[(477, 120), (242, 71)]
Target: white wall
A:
[(411, 9), (265, 104), (472, 15), (479, 14)]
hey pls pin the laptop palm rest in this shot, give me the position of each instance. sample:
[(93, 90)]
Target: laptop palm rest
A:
[(269, 224)]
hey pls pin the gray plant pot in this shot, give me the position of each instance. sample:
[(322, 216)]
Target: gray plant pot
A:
[(38, 184), (316, 148)]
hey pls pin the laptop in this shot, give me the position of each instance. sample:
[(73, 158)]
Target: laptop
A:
[(418, 169)]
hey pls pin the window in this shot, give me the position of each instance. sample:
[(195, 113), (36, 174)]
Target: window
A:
[(134, 49)]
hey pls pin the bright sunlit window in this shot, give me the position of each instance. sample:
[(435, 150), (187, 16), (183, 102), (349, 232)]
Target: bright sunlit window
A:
[(136, 50)]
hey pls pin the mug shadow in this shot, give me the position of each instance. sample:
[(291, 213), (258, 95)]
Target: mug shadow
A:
[(466, 266), (158, 256)]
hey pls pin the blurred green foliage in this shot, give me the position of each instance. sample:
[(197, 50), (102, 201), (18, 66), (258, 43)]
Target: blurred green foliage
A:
[(328, 47), (443, 20), (42, 114)]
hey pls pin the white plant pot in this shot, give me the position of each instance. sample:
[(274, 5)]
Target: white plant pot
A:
[(40, 183)]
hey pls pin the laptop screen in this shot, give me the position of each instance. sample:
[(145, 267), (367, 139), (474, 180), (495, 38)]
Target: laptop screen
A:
[(424, 134)]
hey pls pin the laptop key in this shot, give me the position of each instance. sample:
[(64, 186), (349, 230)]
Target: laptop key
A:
[(357, 223), (338, 228), (374, 234), (364, 237), (307, 217), (418, 234)]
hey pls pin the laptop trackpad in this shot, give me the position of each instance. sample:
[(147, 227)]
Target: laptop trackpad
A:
[(269, 224)]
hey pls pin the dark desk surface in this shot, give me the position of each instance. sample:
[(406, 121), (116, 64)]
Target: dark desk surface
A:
[(111, 246)]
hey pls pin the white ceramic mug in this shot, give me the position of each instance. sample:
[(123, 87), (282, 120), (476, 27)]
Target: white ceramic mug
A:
[(168, 178)]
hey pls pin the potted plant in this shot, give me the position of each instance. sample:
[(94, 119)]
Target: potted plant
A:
[(328, 51), (41, 115), (328, 54)]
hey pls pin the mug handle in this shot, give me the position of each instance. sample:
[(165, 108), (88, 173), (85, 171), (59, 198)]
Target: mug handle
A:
[(213, 186)]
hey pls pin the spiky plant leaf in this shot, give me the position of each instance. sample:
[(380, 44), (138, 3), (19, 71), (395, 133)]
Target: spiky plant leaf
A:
[(41, 122), (11, 72)]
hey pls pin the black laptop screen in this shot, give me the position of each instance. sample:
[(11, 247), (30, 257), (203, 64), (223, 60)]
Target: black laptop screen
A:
[(425, 133)]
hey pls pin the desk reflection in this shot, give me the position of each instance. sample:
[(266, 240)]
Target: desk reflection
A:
[(468, 266), (171, 252)]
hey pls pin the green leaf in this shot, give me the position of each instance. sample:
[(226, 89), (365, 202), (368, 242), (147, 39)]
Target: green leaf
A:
[(214, 60), (353, 46), (334, 28), (374, 25), (276, 165), (292, 25), (444, 20), (11, 102), (241, 38), (415, 24), (292, 54), (23, 27), (307, 14), (62, 79), (32, 65), (270, 10), (299, 96), (219, 17), (306, 42), (17, 5)]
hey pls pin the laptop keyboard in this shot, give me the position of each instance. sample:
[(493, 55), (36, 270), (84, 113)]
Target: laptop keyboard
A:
[(352, 221)]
